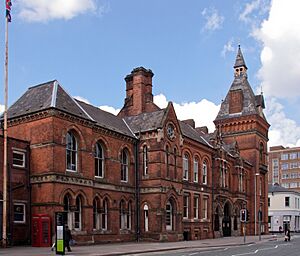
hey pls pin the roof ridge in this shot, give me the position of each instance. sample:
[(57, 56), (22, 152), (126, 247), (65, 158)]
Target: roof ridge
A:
[(54, 94), (37, 85), (77, 104), (129, 128)]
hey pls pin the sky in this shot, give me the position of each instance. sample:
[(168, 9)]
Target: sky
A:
[(89, 46)]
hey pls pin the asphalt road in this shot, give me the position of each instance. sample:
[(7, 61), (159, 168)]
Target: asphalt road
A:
[(269, 248)]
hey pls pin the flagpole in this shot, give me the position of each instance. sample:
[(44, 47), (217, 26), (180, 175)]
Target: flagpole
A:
[(4, 221)]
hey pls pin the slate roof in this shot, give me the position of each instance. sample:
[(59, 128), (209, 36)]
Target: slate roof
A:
[(52, 95), (191, 133), (106, 119), (239, 61), (155, 120), (35, 99), (277, 188), (146, 121), (251, 103)]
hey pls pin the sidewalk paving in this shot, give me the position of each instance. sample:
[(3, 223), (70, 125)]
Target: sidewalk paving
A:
[(141, 247)]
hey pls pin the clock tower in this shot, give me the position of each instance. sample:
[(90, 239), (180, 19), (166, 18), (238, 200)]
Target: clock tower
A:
[(241, 119)]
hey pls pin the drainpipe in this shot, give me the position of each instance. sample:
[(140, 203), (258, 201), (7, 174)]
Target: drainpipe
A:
[(212, 195), (10, 202), (29, 192), (137, 190)]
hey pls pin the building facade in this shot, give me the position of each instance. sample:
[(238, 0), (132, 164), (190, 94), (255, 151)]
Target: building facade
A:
[(284, 167), (144, 174), (18, 191), (284, 209)]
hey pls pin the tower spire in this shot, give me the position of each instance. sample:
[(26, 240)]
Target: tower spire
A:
[(240, 68), (239, 60)]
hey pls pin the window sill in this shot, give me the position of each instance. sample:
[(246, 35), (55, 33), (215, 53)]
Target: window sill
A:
[(125, 231), (78, 232), (68, 170), (19, 166), (20, 222), (101, 232)]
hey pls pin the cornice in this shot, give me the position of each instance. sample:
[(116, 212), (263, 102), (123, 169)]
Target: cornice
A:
[(80, 181), (51, 112)]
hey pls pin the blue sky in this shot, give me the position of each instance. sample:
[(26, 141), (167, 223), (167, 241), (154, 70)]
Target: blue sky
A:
[(91, 45)]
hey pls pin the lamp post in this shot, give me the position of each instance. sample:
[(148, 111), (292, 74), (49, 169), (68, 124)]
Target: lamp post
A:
[(255, 211)]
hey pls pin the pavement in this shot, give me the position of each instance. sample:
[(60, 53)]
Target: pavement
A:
[(141, 247)]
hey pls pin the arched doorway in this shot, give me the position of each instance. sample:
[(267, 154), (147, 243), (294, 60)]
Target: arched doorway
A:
[(226, 223)]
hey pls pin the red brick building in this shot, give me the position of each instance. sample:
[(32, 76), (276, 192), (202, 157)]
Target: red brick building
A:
[(144, 174), (18, 191), (284, 167)]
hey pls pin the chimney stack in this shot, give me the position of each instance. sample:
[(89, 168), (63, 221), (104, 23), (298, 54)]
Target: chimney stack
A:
[(139, 97)]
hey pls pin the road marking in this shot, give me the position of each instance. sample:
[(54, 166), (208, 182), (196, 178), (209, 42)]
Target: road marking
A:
[(212, 250), (256, 251)]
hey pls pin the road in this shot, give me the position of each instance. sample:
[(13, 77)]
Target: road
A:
[(269, 248)]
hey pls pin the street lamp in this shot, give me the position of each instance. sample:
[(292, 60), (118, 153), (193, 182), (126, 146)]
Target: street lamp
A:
[(255, 212)]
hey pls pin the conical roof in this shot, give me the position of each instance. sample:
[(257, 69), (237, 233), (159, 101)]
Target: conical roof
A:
[(251, 103), (239, 61)]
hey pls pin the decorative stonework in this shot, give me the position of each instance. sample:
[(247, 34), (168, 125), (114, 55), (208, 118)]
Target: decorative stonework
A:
[(65, 179)]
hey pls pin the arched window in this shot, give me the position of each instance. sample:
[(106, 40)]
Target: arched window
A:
[(78, 214), (67, 203), (99, 160), (175, 163), (124, 165), (96, 214), (104, 223), (204, 173), (168, 161), (169, 216), (196, 172), (122, 215), (145, 160), (71, 151), (146, 218), (129, 215), (185, 166), (241, 180), (223, 173)]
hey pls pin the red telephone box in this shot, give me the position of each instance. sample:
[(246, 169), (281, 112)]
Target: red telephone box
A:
[(41, 230)]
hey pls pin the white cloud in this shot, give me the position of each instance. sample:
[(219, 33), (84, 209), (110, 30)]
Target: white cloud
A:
[(203, 112), (82, 99), (110, 109), (280, 37), (280, 70), (45, 10), (1, 109), (228, 47), (283, 131), (253, 10), (213, 19)]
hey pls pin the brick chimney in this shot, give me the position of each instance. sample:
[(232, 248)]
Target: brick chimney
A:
[(202, 129), (190, 122), (139, 97)]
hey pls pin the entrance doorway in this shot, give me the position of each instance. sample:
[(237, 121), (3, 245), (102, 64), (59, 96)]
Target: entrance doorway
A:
[(226, 223)]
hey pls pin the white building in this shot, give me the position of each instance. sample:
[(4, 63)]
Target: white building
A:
[(284, 209)]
